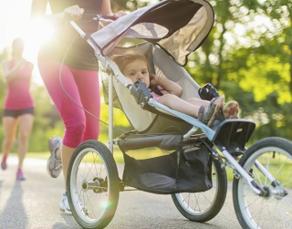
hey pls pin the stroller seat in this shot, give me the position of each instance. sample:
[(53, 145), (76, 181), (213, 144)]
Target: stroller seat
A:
[(187, 166), (153, 122)]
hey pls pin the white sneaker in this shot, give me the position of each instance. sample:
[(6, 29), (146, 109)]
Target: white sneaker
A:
[(64, 204), (54, 163)]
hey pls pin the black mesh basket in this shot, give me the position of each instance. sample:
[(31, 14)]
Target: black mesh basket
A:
[(185, 170)]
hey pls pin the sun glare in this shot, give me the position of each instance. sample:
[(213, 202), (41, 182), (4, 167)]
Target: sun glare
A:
[(38, 32), (16, 22)]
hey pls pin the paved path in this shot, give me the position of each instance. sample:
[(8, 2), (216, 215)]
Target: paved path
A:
[(33, 204)]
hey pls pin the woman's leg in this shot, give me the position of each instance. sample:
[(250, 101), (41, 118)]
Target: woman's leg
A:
[(66, 154), (88, 85), (25, 126), (62, 88), (9, 128)]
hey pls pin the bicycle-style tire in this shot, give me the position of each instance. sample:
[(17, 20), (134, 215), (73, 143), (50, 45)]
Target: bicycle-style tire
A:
[(217, 193), (92, 155), (270, 211)]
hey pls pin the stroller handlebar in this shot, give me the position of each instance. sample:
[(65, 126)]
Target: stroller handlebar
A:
[(77, 28), (101, 19)]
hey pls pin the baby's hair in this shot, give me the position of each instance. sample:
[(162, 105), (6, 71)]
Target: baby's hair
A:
[(123, 60)]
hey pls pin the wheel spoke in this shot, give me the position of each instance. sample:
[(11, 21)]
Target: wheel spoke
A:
[(267, 167), (88, 195), (197, 201), (252, 203), (206, 198), (271, 210), (203, 206), (257, 176), (277, 173)]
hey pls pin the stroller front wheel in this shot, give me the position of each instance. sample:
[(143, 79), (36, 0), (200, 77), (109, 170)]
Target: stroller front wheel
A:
[(92, 185), (269, 163)]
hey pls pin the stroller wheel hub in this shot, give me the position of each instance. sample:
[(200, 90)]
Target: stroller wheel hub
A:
[(95, 185)]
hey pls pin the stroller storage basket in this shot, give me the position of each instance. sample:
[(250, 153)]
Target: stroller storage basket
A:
[(187, 169)]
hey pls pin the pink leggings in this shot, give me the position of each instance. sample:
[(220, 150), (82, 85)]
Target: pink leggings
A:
[(76, 98)]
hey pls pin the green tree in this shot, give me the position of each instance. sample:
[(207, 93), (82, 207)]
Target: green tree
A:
[(248, 57)]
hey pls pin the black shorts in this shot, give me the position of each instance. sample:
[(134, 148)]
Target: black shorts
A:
[(17, 113)]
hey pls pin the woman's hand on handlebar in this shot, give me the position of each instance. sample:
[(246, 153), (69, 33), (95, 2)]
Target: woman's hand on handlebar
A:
[(73, 13), (115, 15), (120, 14)]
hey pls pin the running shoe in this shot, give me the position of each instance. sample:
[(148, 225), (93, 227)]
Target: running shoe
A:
[(208, 115), (4, 162), (20, 175), (54, 163), (215, 107), (64, 204)]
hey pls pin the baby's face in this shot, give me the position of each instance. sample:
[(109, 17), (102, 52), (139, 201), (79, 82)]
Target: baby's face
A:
[(138, 70)]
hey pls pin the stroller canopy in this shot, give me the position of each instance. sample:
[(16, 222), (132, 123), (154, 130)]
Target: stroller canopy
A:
[(177, 26)]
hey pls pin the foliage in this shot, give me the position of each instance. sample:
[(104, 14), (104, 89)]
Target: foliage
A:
[(247, 55)]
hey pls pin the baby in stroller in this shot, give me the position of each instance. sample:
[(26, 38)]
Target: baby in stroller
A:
[(167, 92)]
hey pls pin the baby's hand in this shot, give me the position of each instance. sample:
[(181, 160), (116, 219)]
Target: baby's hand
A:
[(154, 80), (128, 81), (73, 12)]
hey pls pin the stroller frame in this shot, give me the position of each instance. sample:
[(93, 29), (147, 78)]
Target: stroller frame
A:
[(240, 128), (210, 133)]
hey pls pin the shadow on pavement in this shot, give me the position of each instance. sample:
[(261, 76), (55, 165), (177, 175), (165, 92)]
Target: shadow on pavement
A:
[(70, 223), (0, 187), (14, 209)]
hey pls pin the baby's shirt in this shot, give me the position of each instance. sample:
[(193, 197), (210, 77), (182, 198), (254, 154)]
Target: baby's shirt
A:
[(156, 91)]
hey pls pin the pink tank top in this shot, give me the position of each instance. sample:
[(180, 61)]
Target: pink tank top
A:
[(18, 95)]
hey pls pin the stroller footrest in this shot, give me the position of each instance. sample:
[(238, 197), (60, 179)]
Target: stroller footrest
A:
[(164, 141)]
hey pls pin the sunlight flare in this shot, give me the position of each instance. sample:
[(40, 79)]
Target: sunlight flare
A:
[(38, 32)]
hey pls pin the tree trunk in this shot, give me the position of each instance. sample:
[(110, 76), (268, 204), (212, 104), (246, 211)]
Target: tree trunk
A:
[(290, 59), (220, 56), (207, 68)]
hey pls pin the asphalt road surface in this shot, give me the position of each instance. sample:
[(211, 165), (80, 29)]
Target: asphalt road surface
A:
[(34, 204)]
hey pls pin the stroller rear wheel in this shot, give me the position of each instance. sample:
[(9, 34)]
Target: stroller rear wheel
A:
[(93, 185), (203, 206)]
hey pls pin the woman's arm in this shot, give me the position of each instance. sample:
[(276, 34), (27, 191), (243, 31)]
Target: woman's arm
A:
[(106, 8), (10, 73), (38, 8), (168, 85)]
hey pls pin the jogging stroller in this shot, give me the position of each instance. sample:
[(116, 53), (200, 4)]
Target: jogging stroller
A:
[(195, 156)]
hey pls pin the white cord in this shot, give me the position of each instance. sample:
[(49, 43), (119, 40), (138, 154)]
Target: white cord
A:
[(67, 94)]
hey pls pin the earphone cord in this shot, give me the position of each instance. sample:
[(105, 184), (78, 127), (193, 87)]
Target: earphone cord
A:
[(70, 97)]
